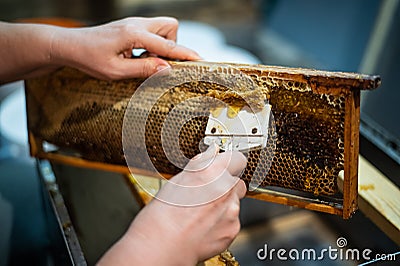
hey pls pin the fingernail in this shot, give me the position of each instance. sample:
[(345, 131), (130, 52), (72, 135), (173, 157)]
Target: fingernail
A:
[(196, 56), (213, 148), (171, 44), (162, 67), (211, 151)]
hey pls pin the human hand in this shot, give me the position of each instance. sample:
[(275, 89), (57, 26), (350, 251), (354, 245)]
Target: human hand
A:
[(170, 234), (30, 50), (105, 51)]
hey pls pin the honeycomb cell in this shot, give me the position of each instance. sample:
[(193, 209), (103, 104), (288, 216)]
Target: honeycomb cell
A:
[(305, 149)]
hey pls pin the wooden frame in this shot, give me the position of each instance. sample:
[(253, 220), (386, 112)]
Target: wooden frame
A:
[(347, 85)]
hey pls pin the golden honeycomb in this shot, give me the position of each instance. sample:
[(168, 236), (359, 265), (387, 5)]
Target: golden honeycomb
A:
[(305, 150)]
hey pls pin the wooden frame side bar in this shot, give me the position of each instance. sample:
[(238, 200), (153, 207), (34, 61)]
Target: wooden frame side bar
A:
[(351, 149)]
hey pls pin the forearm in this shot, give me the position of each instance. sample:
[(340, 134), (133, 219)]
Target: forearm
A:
[(151, 240), (25, 50)]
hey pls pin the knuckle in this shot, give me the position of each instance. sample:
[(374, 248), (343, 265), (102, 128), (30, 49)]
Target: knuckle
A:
[(170, 20), (132, 20), (170, 45), (234, 211), (173, 21), (148, 68), (129, 30), (125, 28), (242, 189), (236, 228)]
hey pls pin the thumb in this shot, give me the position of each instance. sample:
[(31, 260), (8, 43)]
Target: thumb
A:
[(211, 151), (142, 67), (204, 159)]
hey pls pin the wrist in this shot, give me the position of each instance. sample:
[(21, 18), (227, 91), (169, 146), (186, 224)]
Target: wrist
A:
[(160, 242), (61, 46), (151, 240)]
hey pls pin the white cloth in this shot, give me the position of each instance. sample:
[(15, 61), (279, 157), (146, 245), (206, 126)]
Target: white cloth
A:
[(211, 45)]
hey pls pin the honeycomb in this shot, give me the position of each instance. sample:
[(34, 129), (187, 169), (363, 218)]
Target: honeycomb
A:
[(305, 150)]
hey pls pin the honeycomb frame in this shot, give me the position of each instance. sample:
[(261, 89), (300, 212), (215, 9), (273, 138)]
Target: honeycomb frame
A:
[(305, 93)]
